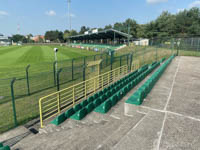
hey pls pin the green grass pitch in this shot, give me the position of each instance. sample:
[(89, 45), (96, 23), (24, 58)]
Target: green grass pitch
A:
[(14, 59)]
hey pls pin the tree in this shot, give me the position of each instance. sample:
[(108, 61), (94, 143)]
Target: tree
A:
[(84, 29), (54, 36), (18, 38), (108, 27), (68, 33)]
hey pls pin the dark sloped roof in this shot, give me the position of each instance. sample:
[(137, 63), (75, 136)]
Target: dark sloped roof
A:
[(106, 34)]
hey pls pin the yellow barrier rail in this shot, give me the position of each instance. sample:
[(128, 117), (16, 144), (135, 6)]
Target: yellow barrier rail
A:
[(54, 103), (135, 65)]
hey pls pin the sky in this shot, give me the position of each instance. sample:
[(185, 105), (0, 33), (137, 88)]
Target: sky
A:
[(38, 16)]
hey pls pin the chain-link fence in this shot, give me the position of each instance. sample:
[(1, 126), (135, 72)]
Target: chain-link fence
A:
[(19, 95)]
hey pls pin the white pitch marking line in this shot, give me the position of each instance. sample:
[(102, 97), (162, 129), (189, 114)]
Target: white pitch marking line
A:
[(141, 112), (115, 117), (170, 94), (170, 112), (130, 131)]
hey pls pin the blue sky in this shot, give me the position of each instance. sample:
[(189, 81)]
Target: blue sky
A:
[(38, 16)]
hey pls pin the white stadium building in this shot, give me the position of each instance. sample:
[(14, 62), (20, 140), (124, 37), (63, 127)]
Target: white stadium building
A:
[(4, 40)]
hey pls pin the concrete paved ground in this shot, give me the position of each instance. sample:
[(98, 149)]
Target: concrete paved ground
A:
[(169, 119)]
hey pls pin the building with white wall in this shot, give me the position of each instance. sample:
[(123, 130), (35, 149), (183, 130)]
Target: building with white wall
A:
[(141, 42), (4, 40)]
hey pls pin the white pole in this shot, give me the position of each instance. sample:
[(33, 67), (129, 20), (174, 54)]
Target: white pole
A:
[(69, 14), (56, 60)]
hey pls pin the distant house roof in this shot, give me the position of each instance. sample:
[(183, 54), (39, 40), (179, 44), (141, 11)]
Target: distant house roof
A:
[(105, 34), (1, 34)]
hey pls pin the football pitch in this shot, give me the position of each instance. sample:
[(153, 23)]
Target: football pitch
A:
[(14, 59)]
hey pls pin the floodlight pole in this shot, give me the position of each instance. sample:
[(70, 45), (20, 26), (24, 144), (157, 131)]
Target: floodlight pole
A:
[(128, 34), (69, 14)]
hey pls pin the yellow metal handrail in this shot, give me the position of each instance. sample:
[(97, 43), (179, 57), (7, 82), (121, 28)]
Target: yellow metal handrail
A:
[(135, 65), (54, 103)]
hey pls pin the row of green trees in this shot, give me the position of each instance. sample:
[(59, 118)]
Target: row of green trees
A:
[(184, 23)]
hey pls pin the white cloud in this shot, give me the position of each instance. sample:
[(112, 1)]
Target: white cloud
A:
[(51, 13), (180, 9), (195, 4), (3, 13), (156, 1), (71, 15)]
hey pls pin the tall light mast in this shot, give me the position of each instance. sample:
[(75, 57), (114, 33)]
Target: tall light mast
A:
[(69, 14), (18, 29)]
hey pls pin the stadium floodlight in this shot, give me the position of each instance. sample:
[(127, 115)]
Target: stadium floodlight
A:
[(56, 50), (69, 14)]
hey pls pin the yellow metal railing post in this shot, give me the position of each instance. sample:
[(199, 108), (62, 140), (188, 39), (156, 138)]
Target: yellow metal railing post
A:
[(41, 118), (58, 99), (102, 82), (51, 104), (94, 85), (114, 77), (73, 95), (109, 78), (85, 89)]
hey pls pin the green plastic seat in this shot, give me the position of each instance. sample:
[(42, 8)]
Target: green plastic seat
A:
[(119, 95), (69, 112), (113, 91), (80, 114), (59, 119), (84, 103), (5, 148), (103, 98), (90, 99), (135, 99), (125, 90), (96, 96), (105, 90), (97, 102), (1, 144), (77, 107), (108, 94), (90, 107), (104, 107), (114, 100)]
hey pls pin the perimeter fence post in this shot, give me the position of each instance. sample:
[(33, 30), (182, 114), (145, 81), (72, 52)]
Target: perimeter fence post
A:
[(131, 60), (27, 79), (13, 100), (58, 79), (84, 68), (143, 56), (54, 72), (102, 60), (72, 69), (127, 59), (198, 45), (156, 53)]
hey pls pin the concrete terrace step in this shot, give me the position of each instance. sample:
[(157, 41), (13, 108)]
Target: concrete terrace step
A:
[(87, 134)]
